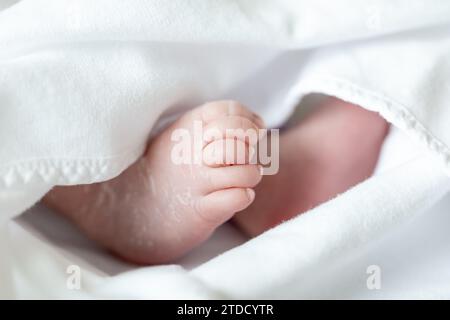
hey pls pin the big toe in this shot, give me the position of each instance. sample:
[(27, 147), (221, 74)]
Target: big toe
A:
[(219, 206)]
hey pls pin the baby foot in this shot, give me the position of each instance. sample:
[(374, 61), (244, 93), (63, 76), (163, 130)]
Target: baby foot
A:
[(333, 148), (156, 210)]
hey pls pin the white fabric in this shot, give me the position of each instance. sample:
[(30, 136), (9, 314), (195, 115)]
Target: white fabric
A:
[(82, 83)]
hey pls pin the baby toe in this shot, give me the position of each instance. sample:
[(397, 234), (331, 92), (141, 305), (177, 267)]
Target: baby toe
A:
[(228, 152), (232, 127), (239, 176), (217, 109), (219, 206)]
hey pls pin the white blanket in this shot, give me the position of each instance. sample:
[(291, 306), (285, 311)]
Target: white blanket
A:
[(82, 84)]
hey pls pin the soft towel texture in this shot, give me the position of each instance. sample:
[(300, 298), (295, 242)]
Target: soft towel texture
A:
[(82, 84)]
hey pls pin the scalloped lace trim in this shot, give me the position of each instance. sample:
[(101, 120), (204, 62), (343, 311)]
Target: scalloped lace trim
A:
[(394, 112), (59, 171)]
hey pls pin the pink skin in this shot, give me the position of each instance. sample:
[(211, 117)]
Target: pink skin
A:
[(156, 211), (333, 148)]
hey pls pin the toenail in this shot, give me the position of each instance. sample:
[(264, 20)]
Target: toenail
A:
[(261, 169), (232, 107), (250, 194), (259, 121)]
